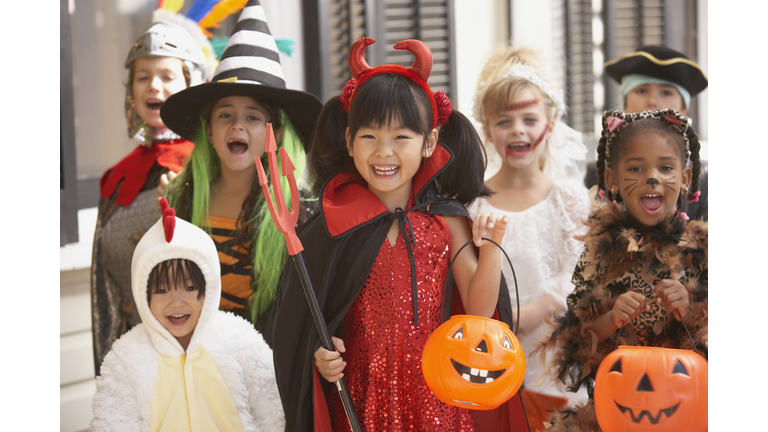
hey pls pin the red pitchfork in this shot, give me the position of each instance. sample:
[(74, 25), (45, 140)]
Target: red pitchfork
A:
[(286, 224)]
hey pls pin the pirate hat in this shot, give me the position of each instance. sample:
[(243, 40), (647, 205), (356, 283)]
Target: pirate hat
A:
[(249, 66), (660, 62)]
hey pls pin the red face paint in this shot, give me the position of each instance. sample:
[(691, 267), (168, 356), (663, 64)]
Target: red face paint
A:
[(523, 104), (541, 137)]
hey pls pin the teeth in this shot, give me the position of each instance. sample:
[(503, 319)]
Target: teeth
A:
[(483, 373), (487, 380), (386, 171), (178, 316), (465, 376)]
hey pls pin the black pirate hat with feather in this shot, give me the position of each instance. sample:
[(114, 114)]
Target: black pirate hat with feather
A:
[(249, 66)]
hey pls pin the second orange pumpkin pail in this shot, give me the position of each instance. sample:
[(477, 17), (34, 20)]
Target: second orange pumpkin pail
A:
[(473, 362)]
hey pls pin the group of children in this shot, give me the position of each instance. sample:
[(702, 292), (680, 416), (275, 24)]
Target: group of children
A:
[(397, 176)]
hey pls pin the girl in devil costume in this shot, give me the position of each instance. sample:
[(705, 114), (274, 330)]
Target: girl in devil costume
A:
[(644, 266), (394, 167), (164, 60)]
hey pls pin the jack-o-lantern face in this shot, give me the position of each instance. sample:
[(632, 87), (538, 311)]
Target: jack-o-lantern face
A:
[(651, 389), (473, 362)]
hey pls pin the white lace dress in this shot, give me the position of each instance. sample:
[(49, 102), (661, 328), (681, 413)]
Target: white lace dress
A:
[(540, 244)]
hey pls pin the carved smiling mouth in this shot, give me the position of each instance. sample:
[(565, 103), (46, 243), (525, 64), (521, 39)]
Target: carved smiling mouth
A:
[(477, 376), (667, 412)]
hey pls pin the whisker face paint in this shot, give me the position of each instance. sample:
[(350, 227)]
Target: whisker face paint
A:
[(631, 190), (523, 104)]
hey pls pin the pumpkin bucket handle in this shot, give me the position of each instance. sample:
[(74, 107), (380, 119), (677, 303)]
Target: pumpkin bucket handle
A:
[(681, 321), (450, 277)]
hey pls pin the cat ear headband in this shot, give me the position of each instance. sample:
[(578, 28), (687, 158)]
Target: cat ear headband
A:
[(615, 121), (418, 73)]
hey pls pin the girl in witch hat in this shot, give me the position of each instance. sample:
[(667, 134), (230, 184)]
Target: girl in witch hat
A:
[(644, 266), (394, 166), (164, 60), (219, 190)]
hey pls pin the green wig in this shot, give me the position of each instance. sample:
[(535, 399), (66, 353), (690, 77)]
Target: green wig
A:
[(190, 194)]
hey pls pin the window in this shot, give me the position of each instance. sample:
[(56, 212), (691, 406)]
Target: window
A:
[(331, 26), (68, 174)]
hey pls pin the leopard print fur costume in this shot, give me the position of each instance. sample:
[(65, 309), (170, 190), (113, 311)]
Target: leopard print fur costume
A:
[(621, 255)]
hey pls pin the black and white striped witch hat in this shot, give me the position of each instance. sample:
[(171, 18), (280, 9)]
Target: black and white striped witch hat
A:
[(249, 66)]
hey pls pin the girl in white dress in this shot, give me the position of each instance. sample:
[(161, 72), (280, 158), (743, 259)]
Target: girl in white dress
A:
[(538, 188)]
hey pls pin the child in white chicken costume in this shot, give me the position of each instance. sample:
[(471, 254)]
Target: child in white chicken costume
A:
[(223, 381)]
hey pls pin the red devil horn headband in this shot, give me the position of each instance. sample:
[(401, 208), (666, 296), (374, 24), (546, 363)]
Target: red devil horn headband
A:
[(418, 73), (169, 219)]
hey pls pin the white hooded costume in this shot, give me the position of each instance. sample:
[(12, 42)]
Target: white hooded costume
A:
[(225, 380)]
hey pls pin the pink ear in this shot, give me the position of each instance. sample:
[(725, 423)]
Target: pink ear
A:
[(614, 122), (673, 120)]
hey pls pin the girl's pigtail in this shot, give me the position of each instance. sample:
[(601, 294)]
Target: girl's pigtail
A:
[(463, 179), (601, 164), (695, 147), (329, 154)]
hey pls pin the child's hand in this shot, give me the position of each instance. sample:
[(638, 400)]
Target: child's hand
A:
[(674, 296), (164, 180), (489, 225), (329, 363), (627, 307)]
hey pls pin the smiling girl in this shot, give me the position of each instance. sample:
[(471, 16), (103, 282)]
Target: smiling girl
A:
[(520, 111), (394, 166), (219, 190), (644, 266), (163, 61)]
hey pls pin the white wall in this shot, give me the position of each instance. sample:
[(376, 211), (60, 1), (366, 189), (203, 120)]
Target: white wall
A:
[(284, 19)]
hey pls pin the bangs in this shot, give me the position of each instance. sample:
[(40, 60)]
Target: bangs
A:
[(497, 98), (174, 272), (388, 100)]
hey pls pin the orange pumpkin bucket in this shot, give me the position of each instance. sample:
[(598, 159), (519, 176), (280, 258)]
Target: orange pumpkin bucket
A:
[(473, 362), (652, 389)]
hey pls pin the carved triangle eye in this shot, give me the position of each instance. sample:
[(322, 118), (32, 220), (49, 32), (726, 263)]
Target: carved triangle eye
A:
[(459, 334), (506, 343), (616, 366), (679, 368)]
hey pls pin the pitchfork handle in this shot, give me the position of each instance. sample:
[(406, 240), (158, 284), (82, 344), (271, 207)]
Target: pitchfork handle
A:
[(325, 339)]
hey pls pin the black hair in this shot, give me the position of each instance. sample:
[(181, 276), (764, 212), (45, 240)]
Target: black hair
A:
[(388, 98), (639, 127), (173, 272)]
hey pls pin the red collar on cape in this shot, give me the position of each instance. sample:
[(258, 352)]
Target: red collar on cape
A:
[(132, 171), (347, 202)]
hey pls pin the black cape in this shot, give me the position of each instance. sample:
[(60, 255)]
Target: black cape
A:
[(341, 245)]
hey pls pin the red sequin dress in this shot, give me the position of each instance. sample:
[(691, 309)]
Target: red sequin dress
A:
[(384, 346)]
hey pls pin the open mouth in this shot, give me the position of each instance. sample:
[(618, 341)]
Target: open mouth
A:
[(652, 202), (518, 149), (645, 413), (385, 171), (477, 376), (237, 146), (154, 104), (179, 319)]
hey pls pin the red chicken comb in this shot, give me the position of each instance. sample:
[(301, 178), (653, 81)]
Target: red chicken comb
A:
[(169, 219)]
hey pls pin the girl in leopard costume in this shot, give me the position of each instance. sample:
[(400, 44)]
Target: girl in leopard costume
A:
[(644, 265)]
